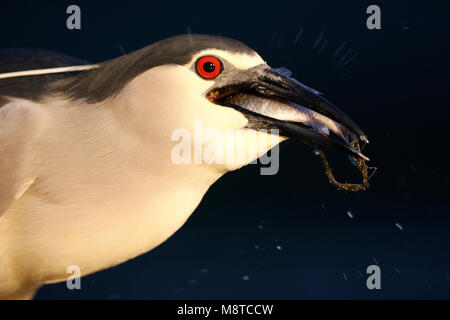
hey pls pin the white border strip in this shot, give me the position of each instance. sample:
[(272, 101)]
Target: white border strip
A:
[(47, 71)]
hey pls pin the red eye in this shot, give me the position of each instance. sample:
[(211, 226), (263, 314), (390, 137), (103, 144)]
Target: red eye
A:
[(208, 67)]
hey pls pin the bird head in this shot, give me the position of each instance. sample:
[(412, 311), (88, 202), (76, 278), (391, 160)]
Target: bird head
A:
[(222, 95)]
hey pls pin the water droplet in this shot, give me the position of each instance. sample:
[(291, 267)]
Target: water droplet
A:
[(398, 225)]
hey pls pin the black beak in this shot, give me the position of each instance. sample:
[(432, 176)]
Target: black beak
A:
[(267, 83)]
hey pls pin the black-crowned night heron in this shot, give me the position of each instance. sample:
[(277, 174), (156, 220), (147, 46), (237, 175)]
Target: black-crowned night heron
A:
[(87, 175)]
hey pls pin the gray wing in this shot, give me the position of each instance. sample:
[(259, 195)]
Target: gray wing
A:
[(31, 87), (18, 123), (18, 119)]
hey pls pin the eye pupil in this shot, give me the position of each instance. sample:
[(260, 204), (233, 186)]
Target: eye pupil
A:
[(209, 67)]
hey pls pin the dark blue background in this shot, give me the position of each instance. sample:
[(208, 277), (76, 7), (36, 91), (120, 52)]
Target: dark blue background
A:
[(396, 88)]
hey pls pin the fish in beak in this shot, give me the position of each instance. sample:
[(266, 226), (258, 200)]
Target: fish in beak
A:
[(271, 99)]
